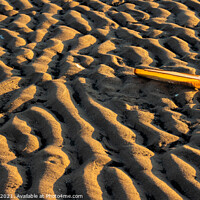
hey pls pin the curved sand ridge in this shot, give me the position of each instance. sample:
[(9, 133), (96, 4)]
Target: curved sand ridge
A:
[(76, 120)]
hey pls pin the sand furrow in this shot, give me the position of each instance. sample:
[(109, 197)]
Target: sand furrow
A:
[(11, 179), (76, 120), (90, 151)]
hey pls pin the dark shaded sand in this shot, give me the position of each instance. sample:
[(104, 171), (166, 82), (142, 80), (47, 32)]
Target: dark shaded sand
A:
[(76, 120)]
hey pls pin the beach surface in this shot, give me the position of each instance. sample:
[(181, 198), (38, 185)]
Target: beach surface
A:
[(75, 119)]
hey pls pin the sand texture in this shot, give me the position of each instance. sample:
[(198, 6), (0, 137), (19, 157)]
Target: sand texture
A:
[(76, 120)]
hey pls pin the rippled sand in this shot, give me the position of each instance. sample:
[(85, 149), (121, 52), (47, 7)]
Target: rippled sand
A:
[(76, 120)]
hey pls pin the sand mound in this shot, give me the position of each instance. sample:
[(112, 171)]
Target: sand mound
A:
[(74, 118)]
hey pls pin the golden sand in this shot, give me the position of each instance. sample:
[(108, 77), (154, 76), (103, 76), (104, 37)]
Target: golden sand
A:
[(74, 117)]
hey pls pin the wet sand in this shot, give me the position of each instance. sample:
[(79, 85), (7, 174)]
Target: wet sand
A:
[(76, 120)]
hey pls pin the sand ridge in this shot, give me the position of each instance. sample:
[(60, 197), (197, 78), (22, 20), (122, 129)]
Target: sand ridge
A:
[(76, 120)]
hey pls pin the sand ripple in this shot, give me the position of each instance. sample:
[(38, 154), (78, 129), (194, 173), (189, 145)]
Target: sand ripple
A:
[(74, 117)]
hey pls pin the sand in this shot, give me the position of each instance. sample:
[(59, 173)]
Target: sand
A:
[(76, 120)]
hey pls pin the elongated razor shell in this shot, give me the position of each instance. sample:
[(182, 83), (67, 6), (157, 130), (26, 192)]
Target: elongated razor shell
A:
[(170, 77)]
